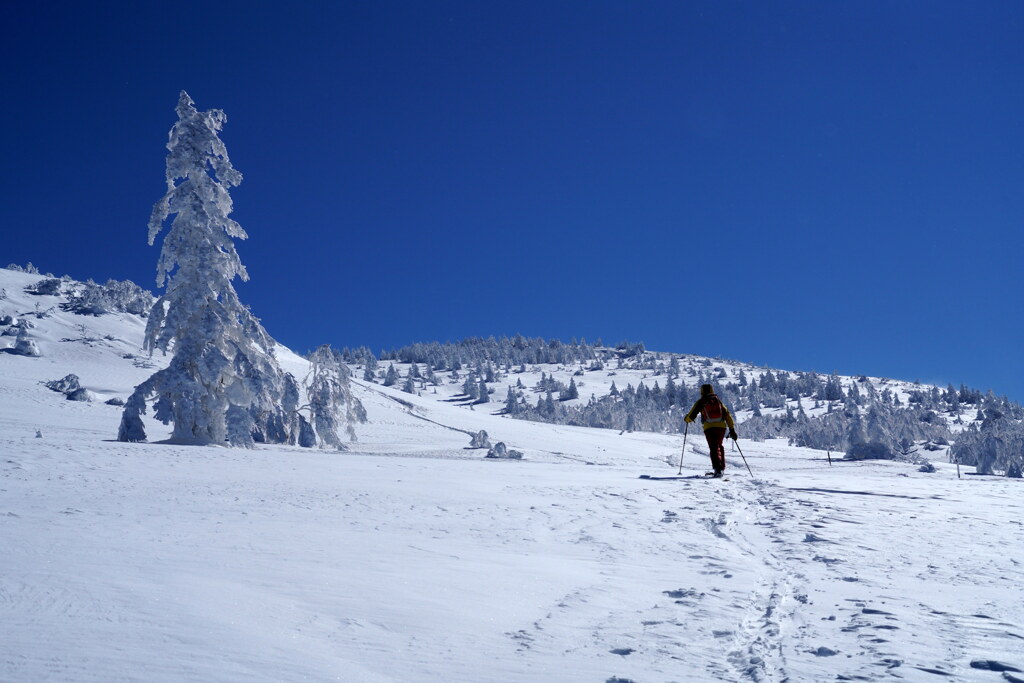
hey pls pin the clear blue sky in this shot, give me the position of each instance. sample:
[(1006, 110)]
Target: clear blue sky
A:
[(807, 185)]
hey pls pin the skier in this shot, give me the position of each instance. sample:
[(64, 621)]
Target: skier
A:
[(715, 417)]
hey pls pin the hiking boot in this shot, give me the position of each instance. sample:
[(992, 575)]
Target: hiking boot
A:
[(719, 474)]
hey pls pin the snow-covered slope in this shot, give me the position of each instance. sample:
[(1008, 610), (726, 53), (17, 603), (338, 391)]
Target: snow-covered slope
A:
[(413, 558)]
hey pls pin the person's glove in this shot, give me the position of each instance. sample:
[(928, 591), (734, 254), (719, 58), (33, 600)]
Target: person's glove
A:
[(732, 434)]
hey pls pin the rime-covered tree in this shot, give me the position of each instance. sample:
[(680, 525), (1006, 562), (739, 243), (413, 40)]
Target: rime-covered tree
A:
[(833, 390), (512, 406), (331, 403), (223, 385), (569, 393), (471, 387)]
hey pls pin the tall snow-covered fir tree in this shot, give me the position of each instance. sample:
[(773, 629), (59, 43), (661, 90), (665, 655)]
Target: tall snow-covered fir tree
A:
[(223, 385)]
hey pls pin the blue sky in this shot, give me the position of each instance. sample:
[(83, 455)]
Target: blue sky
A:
[(806, 185)]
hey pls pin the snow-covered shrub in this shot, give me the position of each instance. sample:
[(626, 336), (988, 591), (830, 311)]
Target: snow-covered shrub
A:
[(116, 296), (223, 385), (45, 287), (115, 401), (42, 313), (80, 394), (26, 346), (65, 385), (29, 268), (500, 452), (6, 320), (927, 468), (869, 451), (480, 440), (127, 296)]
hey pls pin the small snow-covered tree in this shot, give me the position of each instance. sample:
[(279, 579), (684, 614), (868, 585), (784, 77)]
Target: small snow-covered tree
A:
[(223, 385), (331, 403), (25, 345), (569, 393), (471, 387), (512, 406)]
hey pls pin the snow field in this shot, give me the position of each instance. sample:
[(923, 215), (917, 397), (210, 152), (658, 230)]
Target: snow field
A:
[(154, 562), (411, 558)]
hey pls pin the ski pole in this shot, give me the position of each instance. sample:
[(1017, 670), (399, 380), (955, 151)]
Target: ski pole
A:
[(829, 458), (686, 430), (743, 456)]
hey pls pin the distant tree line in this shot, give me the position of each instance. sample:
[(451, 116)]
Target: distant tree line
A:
[(506, 351), (857, 418)]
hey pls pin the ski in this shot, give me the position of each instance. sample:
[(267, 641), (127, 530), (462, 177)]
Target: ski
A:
[(651, 477)]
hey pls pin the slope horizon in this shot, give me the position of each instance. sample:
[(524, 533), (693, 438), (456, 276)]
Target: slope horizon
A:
[(378, 349)]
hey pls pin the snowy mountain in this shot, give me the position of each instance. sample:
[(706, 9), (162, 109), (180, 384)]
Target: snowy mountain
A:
[(413, 557), (630, 389)]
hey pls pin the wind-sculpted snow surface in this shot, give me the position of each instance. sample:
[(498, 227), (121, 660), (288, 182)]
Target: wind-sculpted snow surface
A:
[(418, 561)]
